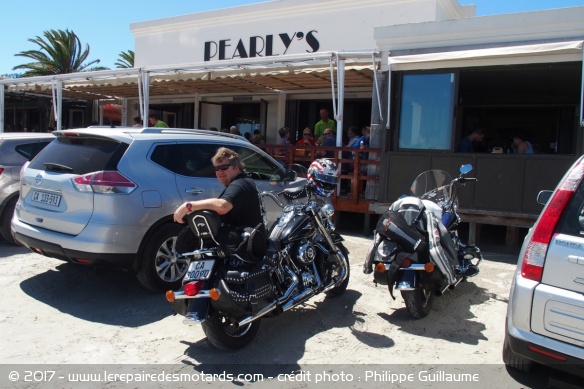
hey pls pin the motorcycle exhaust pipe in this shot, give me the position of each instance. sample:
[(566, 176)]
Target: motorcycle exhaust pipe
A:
[(344, 266), (306, 294), (269, 308), (440, 292)]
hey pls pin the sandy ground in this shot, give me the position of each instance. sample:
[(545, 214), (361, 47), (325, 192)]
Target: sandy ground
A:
[(58, 313)]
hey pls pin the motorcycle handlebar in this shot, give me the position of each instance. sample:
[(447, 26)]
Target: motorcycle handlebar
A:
[(273, 196), (463, 179)]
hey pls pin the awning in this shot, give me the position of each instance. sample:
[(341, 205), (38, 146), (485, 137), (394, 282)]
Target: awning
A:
[(506, 52), (228, 77)]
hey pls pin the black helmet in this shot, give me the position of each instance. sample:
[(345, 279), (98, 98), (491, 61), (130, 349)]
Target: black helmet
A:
[(323, 176)]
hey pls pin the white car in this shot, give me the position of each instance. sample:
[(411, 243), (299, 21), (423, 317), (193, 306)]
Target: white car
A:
[(545, 316), (16, 148), (106, 196)]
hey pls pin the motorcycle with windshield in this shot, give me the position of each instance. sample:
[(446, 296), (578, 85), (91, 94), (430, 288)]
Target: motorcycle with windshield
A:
[(229, 287), (416, 248)]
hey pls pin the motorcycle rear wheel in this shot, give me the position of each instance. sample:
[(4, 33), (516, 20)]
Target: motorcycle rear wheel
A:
[(224, 335), (418, 302), (339, 290)]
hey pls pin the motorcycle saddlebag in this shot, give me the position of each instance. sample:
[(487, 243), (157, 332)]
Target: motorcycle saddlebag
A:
[(393, 225), (244, 291)]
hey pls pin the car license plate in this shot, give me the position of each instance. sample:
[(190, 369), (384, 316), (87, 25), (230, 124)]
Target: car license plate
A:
[(46, 198), (199, 270)]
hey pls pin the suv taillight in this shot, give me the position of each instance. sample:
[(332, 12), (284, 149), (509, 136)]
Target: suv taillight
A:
[(107, 182), (534, 258)]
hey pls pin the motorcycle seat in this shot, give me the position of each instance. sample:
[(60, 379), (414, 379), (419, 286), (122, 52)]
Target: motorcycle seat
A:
[(295, 193)]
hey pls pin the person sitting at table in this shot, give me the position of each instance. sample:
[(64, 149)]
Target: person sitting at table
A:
[(328, 141), (307, 138)]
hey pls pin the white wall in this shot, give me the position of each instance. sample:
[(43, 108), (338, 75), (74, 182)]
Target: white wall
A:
[(312, 26), (484, 30)]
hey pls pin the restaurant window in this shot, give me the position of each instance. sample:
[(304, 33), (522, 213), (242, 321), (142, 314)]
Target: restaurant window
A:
[(426, 113)]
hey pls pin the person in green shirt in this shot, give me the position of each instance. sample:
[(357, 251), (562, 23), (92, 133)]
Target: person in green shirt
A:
[(154, 120), (324, 123)]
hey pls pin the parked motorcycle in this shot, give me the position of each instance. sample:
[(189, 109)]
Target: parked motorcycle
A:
[(230, 287), (416, 247)]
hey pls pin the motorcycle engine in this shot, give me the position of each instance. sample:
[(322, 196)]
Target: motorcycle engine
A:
[(306, 253)]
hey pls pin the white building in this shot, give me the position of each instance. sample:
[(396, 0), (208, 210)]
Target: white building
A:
[(422, 73)]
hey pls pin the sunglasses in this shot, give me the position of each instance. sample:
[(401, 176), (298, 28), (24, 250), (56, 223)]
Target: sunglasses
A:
[(328, 133), (222, 167)]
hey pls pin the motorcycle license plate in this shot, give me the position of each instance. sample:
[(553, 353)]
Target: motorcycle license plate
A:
[(199, 270)]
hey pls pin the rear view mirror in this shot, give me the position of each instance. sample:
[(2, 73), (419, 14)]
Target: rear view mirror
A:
[(290, 175), (465, 169), (544, 196)]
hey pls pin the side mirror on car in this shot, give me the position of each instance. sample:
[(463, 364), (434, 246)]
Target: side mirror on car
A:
[(291, 175), (544, 196)]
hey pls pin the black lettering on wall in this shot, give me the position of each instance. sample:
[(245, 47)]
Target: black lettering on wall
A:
[(269, 45), (253, 46), (240, 50), (312, 41), (222, 46), (208, 46), (286, 40)]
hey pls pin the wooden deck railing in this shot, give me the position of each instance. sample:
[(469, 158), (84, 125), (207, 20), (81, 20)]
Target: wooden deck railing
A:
[(356, 172)]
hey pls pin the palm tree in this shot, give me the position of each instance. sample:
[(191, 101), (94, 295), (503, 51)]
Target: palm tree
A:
[(125, 60), (60, 52)]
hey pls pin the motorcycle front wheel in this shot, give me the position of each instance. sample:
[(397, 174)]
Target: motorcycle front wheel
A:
[(340, 289), (418, 301), (225, 335)]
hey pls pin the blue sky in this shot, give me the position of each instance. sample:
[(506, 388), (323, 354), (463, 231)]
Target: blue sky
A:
[(105, 25)]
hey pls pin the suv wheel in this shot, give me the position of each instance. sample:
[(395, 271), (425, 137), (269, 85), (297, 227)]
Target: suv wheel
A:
[(513, 360), (161, 268), (5, 221)]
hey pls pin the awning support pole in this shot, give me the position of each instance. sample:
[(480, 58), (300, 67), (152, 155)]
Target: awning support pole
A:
[(333, 89), (57, 92), (197, 114), (146, 95), (140, 99), (1, 108), (388, 122), (582, 93), (341, 97), (376, 85)]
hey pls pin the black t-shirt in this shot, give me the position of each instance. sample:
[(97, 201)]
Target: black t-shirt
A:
[(243, 194)]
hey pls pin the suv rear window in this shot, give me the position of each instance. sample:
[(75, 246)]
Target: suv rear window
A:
[(572, 220), (81, 154), (194, 160), (30, 150)]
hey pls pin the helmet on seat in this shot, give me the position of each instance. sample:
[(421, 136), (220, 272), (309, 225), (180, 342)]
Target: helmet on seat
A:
[(323, 176)]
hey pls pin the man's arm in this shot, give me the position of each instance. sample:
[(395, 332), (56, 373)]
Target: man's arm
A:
[(220, 206)]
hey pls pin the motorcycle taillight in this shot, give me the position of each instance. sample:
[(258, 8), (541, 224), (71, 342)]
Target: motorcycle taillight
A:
[(192, 288), (406, 263)]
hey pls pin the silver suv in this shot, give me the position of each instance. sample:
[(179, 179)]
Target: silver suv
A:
[(16, 148), (545, 316), (106, 196)]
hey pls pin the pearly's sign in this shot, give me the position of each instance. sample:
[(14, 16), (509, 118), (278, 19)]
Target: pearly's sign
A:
[(262, 46)]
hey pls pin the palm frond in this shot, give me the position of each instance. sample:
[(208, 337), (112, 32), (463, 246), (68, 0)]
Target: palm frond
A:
[(125, 60), (60, 52)]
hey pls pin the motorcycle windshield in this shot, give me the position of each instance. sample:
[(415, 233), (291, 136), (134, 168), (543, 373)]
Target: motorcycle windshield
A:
[(432, 185)]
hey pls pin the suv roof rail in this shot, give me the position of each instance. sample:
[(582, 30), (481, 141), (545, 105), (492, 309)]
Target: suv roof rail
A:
[(164, 130)]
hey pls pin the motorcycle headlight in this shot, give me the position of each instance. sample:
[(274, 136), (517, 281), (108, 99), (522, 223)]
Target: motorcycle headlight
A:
[(328, 210)]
